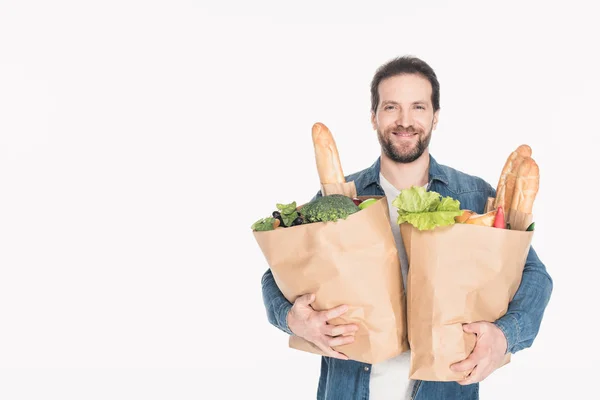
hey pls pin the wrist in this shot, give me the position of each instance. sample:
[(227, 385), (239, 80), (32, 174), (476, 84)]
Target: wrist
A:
[(502, 341), (282, 314), (290, 322), (509, 328)]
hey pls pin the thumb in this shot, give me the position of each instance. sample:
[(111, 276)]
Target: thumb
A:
[(472, 327), (305, 299)]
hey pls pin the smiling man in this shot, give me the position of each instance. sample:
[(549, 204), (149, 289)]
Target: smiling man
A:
[(405, 108)]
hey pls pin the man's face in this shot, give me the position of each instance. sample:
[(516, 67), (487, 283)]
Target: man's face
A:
[(404, 119)]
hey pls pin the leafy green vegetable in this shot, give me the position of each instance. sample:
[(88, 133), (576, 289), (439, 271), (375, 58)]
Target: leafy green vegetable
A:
[(425, 210), (288, 212), (449, 204), (263, 224), (416, 200), (287, 208)]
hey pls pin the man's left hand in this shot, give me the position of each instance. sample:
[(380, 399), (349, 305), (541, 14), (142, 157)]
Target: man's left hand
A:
[(487, 355)]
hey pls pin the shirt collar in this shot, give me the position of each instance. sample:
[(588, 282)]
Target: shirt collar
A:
[(371, 175)]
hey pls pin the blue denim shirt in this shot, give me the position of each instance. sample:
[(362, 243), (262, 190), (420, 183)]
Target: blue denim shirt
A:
[(348, 380)]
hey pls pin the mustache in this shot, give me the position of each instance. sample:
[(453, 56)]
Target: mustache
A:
[(402, 129)]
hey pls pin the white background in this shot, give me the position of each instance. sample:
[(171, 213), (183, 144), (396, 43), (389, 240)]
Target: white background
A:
[(140, 140)]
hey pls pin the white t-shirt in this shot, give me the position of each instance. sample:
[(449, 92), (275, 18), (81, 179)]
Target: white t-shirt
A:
[(390, 379)]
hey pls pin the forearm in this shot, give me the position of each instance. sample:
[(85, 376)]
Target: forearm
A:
[(276, 304), (522, 321)]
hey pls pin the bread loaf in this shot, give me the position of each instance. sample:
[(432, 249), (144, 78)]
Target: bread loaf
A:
[(508, 177), (526, 187), (464, 216), (329, 166), (486, 219)]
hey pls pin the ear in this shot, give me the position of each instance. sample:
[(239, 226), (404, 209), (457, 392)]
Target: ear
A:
[(373, 121), (435, 118)]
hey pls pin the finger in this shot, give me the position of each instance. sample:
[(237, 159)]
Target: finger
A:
[(466, 364), (339, 340), (476, 357), (329, 352), (474, 327), (336, 330), (306, 299), (333, 312), (472, 378)]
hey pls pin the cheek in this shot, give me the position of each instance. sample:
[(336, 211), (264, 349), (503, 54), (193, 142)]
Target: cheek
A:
[(424, 121), (384, 121)]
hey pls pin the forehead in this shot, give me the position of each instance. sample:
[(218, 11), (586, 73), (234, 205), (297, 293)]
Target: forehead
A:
[(405, 87)]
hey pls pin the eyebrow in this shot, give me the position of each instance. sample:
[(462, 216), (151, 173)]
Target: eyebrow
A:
[(395, 102)]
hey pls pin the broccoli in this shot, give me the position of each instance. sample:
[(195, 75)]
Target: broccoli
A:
[(329, 208)]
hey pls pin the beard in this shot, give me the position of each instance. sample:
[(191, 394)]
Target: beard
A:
[(403, 152)]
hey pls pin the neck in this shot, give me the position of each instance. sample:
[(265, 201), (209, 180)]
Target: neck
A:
[(403, 176)]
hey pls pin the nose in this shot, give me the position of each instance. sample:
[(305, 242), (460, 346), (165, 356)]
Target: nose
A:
[(403, 119)]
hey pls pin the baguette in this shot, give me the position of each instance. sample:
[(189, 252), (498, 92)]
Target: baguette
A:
[(526, 187), (508, 177), (486, 219), (464, 216), (329, 166)]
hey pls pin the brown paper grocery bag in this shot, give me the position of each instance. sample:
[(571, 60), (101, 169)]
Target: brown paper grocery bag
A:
[(352, 261), (457, 274)]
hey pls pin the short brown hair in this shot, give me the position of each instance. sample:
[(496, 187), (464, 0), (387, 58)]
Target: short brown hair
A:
[(405, 65)]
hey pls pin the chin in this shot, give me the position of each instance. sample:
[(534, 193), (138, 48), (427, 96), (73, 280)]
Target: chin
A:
[(404, 150)]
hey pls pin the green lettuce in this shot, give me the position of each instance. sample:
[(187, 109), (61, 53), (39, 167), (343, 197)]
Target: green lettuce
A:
[(288, 212), (263, 224), (425, 210)]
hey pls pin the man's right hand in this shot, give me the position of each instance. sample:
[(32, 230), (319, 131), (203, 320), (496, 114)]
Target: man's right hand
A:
[(312, 325)]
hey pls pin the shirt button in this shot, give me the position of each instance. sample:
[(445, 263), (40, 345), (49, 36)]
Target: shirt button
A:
[(366, 368)]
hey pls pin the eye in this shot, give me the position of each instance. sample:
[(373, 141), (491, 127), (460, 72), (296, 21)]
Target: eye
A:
[(419, 107), (388, 107)]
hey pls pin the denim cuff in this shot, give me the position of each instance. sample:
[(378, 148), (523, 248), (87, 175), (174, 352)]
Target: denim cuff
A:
[(509, 325), (283, 313)]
